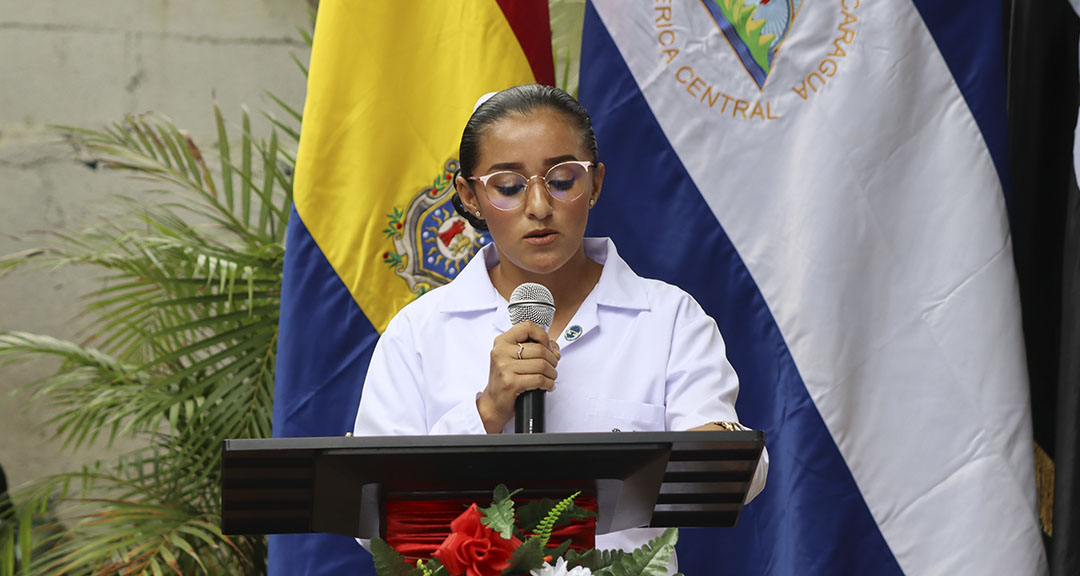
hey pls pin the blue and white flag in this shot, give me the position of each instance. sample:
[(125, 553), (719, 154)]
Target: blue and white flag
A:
[(825, 177)]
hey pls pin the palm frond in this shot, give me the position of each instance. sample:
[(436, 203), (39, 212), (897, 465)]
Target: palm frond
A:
[(181, 350), (178, 349)]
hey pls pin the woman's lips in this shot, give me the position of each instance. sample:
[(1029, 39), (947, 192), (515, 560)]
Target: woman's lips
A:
[(541, 237)]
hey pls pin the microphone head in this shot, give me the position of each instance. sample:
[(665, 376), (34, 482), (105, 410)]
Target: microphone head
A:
[(532, 301)]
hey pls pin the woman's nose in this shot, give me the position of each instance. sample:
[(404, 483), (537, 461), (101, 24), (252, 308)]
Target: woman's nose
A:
[(537, 199)]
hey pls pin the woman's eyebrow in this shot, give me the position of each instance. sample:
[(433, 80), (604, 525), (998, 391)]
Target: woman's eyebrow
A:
[(518, 165), (506, 166), (559, 159)]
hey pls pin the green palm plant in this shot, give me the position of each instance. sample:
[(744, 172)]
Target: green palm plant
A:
[(182, 345), (182, 355)]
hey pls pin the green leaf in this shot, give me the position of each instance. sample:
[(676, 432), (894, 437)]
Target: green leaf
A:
[(543, 529), (528, 556), (593, 559), (245, 170), (650, 559), (7, 550), (303, 68), (289, 130), (305, 35), (223, 151), (500, 515), (530, 514), (147, 146), (389, 563), (267, 193), (501, 493), (288, 109)]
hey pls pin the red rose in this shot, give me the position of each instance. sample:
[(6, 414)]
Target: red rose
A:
[(473, 549)]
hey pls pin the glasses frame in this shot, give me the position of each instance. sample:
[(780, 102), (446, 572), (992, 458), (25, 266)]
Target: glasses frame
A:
[(586, 164)]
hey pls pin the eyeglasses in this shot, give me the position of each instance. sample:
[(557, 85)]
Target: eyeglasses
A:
[(506, 190)]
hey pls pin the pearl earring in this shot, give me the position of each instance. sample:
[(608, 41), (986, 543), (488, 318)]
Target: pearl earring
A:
[(477, 213), (592, 201)]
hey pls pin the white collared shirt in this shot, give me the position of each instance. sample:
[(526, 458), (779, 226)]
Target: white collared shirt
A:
[(638, 355)]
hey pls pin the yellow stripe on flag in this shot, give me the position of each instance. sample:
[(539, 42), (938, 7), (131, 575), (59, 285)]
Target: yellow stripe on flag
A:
[(391, 85)]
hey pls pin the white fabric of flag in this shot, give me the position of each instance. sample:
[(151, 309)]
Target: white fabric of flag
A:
[(834, 147)]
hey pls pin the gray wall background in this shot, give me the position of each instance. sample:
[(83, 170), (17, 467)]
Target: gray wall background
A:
[(87, 63)]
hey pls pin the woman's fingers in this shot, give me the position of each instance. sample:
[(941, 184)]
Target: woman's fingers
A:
[(537, 367), (523, 358), (513, 376), (532, 351), (524, 332)]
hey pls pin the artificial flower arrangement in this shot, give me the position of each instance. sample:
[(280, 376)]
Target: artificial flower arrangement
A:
[(505, 540)]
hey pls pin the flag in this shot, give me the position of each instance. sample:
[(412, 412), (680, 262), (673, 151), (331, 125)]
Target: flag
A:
[(825, 177), (390, 87)]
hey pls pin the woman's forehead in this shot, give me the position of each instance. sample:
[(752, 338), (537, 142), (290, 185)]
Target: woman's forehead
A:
[(522, 138)]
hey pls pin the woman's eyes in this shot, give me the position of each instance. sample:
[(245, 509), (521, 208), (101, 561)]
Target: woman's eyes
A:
[(561, 185), (510, 190)]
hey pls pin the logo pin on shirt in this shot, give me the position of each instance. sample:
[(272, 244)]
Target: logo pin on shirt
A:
[(572, 333)]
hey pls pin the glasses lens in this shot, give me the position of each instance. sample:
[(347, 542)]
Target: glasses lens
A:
[(566, 181), (506, 189)]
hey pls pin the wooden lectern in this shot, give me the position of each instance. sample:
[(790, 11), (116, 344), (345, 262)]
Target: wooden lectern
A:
[(341, 485)]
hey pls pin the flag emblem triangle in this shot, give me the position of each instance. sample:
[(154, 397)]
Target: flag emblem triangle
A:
[(755, 29)]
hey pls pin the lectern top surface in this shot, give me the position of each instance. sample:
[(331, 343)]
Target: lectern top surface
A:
[(730, 439)]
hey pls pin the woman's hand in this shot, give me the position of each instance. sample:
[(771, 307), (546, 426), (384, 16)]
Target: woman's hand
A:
[(522, 358)]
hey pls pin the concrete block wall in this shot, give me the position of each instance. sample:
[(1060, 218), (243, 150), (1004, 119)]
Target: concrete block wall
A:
[(87, 63)]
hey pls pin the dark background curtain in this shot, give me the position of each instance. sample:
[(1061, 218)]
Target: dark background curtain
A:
[(1041, 50)]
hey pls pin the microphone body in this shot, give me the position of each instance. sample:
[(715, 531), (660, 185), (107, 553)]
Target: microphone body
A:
[(529, 412), (531, 301)]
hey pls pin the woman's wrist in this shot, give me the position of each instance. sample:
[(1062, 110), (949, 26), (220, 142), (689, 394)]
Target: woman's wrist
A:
[(488, 416)]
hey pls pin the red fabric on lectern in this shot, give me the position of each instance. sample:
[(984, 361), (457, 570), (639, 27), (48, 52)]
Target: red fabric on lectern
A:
[(415, 528)]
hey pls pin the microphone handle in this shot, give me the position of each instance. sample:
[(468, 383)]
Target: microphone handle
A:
[(529, 412)]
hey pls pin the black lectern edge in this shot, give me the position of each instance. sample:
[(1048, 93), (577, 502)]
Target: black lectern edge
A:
[(492, 440), (294, 463)]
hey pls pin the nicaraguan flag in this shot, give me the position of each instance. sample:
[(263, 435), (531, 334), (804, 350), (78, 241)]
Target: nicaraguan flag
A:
[(825, 177), (390, 87)]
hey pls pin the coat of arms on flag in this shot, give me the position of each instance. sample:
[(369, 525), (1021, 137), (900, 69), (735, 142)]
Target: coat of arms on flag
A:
[(432, 243), (755, 29)]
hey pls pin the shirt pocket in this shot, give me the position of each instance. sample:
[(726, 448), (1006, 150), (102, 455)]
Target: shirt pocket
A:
[(616, 415)]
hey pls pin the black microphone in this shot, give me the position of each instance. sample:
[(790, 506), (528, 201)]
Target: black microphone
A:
[(534, 302)]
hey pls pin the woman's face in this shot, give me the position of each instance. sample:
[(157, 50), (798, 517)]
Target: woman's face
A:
[(542, 234)]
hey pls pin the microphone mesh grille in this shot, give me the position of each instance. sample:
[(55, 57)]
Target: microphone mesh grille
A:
[(532, 301)]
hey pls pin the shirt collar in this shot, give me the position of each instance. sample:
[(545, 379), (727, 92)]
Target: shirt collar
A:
[(618, 287), (472, 290)]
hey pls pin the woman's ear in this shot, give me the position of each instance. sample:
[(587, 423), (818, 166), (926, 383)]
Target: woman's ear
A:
[(468, 198), (598, 183)]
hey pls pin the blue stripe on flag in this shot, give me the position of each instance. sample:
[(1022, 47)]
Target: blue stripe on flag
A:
[(324, 346), (968, 35), (317, 555), (811, 518)]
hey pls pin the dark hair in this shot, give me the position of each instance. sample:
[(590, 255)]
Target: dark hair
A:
[(520, 100)]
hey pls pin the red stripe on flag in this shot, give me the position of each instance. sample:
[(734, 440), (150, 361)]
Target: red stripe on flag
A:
[(531, 24)]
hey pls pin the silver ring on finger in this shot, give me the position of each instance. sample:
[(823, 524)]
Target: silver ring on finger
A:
[(520, 348)]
